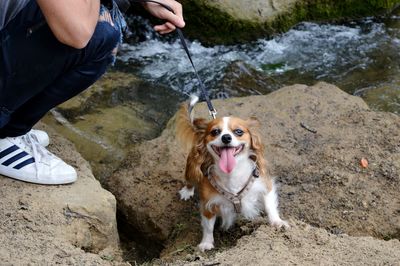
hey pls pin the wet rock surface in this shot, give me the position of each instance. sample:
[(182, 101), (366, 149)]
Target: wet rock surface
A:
[(315, 137), (384, 97), (114, 114)]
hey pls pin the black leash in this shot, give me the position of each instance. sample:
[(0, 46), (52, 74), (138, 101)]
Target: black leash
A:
[(211, 109)]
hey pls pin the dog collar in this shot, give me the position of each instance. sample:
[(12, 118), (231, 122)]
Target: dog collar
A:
[(235, 199)]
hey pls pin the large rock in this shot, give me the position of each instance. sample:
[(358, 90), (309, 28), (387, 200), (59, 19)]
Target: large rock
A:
[(47, 225), (258, 10), (225, 21), (315, 138)]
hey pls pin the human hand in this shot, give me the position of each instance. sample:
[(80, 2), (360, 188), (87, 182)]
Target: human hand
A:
[(173, 20)]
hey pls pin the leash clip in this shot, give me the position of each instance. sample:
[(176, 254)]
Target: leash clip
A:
[(237, 205), (213, 113)]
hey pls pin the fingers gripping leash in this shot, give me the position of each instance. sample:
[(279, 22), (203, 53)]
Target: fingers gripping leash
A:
[(211, 109)]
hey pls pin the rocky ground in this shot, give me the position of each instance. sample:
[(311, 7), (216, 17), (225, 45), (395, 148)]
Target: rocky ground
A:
[(66, 225), (315, 136), (304, 245)]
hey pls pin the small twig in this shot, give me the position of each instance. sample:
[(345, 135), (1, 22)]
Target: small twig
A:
[(305, 126), (73, 214), (180, 250)]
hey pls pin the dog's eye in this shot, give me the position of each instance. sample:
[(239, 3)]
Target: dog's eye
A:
[(215, 132), (238, 132)]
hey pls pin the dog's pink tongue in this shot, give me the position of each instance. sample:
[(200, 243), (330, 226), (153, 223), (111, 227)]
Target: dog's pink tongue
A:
[(227, 161)]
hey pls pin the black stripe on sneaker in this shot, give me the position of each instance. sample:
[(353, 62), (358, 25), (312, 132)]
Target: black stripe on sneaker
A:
[(8, 151), (24, 163), (15, 158)]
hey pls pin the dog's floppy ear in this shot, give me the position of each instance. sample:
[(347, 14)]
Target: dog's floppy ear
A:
[(198, 159), (200, 124), (257, 145), (253, 124)]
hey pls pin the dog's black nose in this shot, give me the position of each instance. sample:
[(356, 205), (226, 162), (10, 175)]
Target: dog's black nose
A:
[(226, 138)]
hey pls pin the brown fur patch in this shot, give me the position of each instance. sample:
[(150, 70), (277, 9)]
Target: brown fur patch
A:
[(207, 191)]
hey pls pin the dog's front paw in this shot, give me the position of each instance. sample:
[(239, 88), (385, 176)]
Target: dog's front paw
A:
[(186, 193), (203, 246), (280, 224)]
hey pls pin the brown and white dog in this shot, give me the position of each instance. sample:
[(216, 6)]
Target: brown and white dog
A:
[(226, 164)]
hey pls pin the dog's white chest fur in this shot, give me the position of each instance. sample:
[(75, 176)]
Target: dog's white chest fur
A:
[(252, 202)]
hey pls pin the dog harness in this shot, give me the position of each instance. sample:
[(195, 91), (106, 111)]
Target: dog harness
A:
[(235, 199)]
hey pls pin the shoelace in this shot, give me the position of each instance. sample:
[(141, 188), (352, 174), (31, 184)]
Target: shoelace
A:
[(38, 151)]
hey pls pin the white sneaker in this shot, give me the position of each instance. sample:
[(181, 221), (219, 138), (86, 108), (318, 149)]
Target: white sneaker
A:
[(24, 158), (41, 136)]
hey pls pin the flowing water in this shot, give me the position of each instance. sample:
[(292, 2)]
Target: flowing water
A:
[(361, 57)]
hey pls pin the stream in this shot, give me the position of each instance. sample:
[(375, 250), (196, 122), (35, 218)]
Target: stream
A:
[(360, 57)]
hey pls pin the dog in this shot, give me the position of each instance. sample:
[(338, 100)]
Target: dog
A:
[(226, 165)]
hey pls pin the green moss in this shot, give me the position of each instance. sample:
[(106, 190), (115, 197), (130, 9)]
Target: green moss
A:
[(272, 67), (212, 26)]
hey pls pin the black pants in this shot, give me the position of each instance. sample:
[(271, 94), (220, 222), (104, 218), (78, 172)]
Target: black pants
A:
[(37, 72)]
